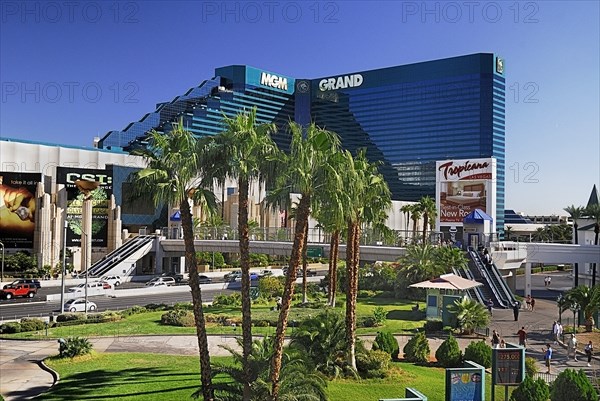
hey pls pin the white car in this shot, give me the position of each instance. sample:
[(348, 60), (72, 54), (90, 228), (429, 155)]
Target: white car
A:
[(165, 280), (93, 287), (114, 281), (156, 284), (78, 305)]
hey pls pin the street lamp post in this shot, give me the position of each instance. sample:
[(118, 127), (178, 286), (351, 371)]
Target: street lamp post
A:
[(574, 308), (2, 274), (64, 264)]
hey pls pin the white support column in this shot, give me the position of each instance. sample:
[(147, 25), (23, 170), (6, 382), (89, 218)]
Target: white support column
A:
[(527, 278)]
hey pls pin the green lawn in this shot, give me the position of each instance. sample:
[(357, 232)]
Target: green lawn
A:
[(400, 319), (134, 376)]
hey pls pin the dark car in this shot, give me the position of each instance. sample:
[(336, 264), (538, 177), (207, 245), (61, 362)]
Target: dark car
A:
[(33, 281), (202, 279)]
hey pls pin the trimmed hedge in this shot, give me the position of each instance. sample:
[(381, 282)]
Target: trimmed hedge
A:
[(448, 354), (178, 317), (571, 385), (417, 349), (479, 352), (385, 341)]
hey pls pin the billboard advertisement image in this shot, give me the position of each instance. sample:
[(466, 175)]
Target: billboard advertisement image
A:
[(463, 186), (18, 208), (100, 198)]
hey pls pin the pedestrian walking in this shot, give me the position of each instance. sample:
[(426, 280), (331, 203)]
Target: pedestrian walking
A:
[(490, 305), (522, 337), (572, 347), (528, 302), (548, 356), (560, 330), (555, 331), (532, 303), (495, 339), (589, 349), (516, 308), (549, 281), (546, 281)]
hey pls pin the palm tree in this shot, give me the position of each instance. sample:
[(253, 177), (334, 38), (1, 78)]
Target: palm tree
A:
[(588, 300), (298, 379), (369, 198), (448, 258), (322, 339), (470, 314), (246, 152), (415, 216), (172, 176), (304, 171), (331, 213), (593, 212), (407, 210), (508, 232), (427, 206)]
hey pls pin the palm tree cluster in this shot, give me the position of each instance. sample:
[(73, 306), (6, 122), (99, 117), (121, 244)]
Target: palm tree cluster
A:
[(342, 191), (425, 209), (583, 298)]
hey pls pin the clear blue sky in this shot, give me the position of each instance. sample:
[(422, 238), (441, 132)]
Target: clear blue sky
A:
[(70, 71)]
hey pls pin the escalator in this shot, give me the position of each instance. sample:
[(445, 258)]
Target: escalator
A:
[(492, 287), (476, 293), (122, 260)]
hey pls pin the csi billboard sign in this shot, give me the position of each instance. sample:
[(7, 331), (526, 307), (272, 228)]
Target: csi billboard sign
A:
[(463, 186), (18, 208), (100, 198)]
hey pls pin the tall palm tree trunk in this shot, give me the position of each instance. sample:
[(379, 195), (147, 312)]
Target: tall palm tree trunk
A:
[(288, 291), (190, 260), (333, 258), (351, 268), (425, 223), (576, 236), (245, 267), (305, 267)]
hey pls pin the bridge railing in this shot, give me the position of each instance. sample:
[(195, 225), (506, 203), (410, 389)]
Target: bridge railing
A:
[(397, 238)]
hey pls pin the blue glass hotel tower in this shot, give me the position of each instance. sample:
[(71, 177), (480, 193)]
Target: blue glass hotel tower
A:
[(407, 117)]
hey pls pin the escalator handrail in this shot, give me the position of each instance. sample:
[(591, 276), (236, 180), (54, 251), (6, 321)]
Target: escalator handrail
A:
[(501, 301), (509, 295), (124, 252), (469, 276)]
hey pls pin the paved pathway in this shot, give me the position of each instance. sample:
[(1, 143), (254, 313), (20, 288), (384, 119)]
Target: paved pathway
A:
[(21, 378)]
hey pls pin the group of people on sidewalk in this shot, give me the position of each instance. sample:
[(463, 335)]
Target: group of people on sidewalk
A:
[(557, 330)]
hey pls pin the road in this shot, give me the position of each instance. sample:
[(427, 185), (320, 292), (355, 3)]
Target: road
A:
[(40, 308)]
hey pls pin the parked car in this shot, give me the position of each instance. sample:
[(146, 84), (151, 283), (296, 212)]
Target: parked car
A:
[(78, 305), (114, 281), (19, 290), (164, 279), (93, 287), (33, 281), (202, 279)]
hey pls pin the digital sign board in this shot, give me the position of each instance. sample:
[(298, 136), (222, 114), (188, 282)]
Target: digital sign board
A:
[(18, 208), (508, 366)]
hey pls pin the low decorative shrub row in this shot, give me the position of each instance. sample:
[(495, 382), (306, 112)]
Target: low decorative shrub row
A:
[(26, 324)]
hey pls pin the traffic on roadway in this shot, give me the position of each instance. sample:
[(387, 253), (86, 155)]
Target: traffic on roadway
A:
[(111, 299)]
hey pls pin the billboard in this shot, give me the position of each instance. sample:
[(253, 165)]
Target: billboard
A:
[(18, 208), (100, 199), (466, 383), (463, 186)]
